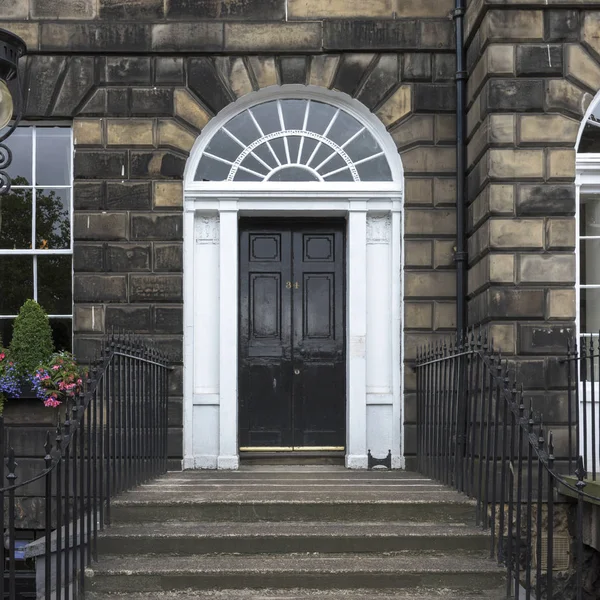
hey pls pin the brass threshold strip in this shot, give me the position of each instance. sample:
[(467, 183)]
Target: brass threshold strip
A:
[(292, 448)]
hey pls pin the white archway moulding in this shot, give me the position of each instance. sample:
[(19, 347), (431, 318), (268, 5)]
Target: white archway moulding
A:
[(373, 211)]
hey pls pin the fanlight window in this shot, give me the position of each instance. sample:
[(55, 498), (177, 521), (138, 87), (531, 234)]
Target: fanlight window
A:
[(293, 140)]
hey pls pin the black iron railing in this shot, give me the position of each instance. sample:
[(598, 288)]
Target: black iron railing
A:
[(477, 433), (111, 437)]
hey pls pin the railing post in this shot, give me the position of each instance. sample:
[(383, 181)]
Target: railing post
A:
[(581, 474)]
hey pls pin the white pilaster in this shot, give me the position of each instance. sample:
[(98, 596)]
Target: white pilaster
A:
[(228, 363), (356, 454)]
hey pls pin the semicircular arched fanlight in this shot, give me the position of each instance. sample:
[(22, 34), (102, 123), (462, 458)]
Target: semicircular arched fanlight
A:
[(297, 140)]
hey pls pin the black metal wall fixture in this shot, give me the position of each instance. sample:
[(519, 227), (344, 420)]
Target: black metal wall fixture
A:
[(112, 437), (12, 48), (460, 255), (477, 433)]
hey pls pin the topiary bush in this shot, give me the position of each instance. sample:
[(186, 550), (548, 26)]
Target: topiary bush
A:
[(32, 342)]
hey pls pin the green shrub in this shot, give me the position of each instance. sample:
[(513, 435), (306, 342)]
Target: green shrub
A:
[(32, 338)]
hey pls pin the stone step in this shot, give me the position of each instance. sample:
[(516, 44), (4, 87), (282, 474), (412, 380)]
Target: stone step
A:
[(277, 537), (303, 594), (409, 570)]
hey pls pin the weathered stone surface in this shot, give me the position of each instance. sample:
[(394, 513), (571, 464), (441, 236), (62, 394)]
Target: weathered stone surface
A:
[(443, 253), (322, 69), (564, 95), (62, 9), (128, 257), (100, 165), (546, 199), (430, 222), (129, 70), (548, 129), (155, 288), (191, 37), (539, 59), (151, 101), (87, 132), (131, 9), (293, 69), (128, 196), (560, 234), (444, 67), (416, 66), (507, 163), (429, 159), (261, 37), (418, 191), (129, 318), (204, 81), (156, 165), (561, 25), (130, 132), (590, 31), (265, 10), (504, 336), (582, 67), (514, 302), (434, 97), (561, 304), (188, 108), (444, 191), (117, 102), (100, 226), (351, 71), (436, 34), (168, 319), (373, 35), (540, 339), (168, 194), (95, 37), (88, 257), (76, 84), (418, 253), (169, 69), (45, 71), (436, 284), (516, 233), (233, 70), (418, 315), (380, 81), (397, 106), (88, 319), (518, 25), (88, 196), (28, 32), (547, 268), (264, 70), (444, 315), (414, 129), (99, 288), (15, 9), (561, 164), (515, 95), (156, 227), (168, 257), (502, 268), (171, 133)]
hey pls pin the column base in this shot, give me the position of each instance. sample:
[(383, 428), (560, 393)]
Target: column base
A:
[(356, 461), (228, 463)]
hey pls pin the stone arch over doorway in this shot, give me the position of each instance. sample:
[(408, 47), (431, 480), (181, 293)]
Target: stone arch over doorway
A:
[(371, 207)]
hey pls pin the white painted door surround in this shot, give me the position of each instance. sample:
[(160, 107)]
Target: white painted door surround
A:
[(373, 212)]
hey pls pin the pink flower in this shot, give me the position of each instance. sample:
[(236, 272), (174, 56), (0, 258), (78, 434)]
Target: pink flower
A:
[(79, 382), (56, 367), (52, 402), (2, 356)]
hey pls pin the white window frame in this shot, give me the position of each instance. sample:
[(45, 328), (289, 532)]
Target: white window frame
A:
[(35, 252)]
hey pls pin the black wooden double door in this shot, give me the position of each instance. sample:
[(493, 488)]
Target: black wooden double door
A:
[(292, 384)]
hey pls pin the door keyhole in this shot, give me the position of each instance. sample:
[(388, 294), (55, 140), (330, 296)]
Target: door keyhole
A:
[(296, 371)]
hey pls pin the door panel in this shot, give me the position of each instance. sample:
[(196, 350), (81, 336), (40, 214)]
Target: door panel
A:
[(292, 338)]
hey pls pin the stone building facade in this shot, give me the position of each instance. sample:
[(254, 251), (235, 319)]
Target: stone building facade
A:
[(139, 80)]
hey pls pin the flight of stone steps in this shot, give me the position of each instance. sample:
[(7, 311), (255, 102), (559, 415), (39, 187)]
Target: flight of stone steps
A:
[(282, 532)]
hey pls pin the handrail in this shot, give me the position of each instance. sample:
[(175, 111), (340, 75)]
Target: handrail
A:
[(113, 437)]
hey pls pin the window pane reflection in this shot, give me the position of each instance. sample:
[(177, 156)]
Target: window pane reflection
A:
[(53, 156), (15, 219), (54, 284), (16, 275), (20, 143), (52, 223)]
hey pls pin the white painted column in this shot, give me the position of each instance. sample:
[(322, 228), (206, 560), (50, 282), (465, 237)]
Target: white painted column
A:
[(228, 360), (356, 453)]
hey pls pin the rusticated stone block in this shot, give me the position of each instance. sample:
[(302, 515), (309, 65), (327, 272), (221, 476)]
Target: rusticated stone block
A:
[(436, 284), (504, 336), (261, 37), (169, 70), (28, 32), (117, 102), (63, 9), (418, 315), (131, 9), (168, 194), (515, 302), (561, 304), (87, 132), (233, 71), (190, 10), (188, 108), (171, 133), (293, 70), (521, 25), (561, 164), (430, 222), (265, 70), (380, 81), (95, 37), (397, 106), (151, 101), (502, 268), (203, 36), (130, 70), (445, 129), (444, 315), (168, 257), (444, 191), (157, 165), (99, 288), (416, 66), (512, 164), (582, 67), (206, 84), (373, 35), (434, 97), (546, 199), (547, 268), (125, 258), (515, 95), (560, 234), (429, 159), (88, 257), (516, 233), (549, 339), (76, 84), (351, 71), (128, 196), (45, 71), (15, 9), (443, 253), (133, 132), (418, 190), (137, 319), (444, 67), (590, 31), (155, 288), (88, 319), (414, 129), (561, 25), (548, 129), (418, 253), (88, 196), (100, 165), (168, 319), (100, 226), (156, 227), (564, 95), (540, 59), (436, 34)]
